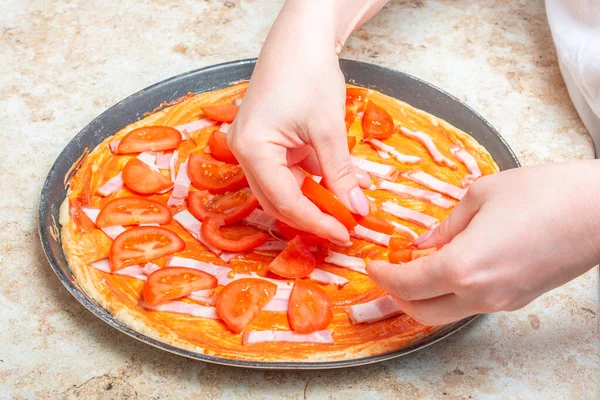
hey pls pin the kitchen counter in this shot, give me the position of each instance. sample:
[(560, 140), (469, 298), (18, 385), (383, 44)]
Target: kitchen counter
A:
[(66, 61)]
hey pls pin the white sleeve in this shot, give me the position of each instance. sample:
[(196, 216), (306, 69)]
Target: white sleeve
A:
[(575, 26)]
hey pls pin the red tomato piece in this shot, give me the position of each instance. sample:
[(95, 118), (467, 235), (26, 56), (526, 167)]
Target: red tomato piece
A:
[(295, 261), (133, 211), (351, 143), (149, 138), (211, 230), (327, 202), (215, 176), (175, 282), (219, 148), (142, 244), (289, 232), (375, 223), (232, 207), (310, 309), (241, 301), (355, 94), (141, 179), (223, 113), (377, 123)]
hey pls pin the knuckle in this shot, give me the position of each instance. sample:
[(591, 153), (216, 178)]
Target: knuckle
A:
[(477, 191)]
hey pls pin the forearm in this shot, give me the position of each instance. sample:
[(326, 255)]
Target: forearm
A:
[(328, 21)]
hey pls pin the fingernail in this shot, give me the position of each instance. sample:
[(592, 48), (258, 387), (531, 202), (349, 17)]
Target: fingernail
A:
[(340, 243), (359, 202), (423, 238)]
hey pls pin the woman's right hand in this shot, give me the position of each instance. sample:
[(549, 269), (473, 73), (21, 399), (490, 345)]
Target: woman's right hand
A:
[(292, 117)]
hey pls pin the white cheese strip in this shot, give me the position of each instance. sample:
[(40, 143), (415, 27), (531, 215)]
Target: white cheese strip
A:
[(426, 141), (135, 271), (110, 231), (172, 162), (327, 278), (221, 273), (194, 227), (163, 160), (102, 265), (407, 214), (434, 183), (224, 127), (111, 186), (416, 193), (356, 264), (180, 307), (276, 305), (469, 161), (372, 236), (373, 311), (182, 186), (150, 268), (187, 129), (204, 296), (113, 145), (322, 337), (372, 168), (149, 159), (391, 151), (403, 230)]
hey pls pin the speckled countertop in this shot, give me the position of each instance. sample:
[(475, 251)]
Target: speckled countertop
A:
[(64, 62)]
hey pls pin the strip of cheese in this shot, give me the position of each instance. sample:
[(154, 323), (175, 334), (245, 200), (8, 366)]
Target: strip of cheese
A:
[(356, 264), (373, 311), (372, 236), (426, 141), (434, 183), (180, 307), (416, 193), (253, 337), (407, 214), (469, 161)]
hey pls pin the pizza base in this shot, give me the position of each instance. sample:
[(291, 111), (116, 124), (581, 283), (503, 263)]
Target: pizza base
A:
[(119, 295)]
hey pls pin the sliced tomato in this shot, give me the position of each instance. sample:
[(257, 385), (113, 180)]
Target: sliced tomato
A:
[(149, 138), (289, 232), (141, 179), (211, 230), (377, 123), (376, 223), (351, 143), (310, 309), (223, 113), (219, 148), (232, 207), (175, 282), (295, 261), (327, 202), (241, 301), (142, 244), (355, 94), (133, 211), (215, 176)]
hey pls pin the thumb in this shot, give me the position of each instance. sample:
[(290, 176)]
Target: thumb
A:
[(456, 222), (331, 149)]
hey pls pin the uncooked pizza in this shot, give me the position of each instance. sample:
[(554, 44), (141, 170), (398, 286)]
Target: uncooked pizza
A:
[(162, 230)]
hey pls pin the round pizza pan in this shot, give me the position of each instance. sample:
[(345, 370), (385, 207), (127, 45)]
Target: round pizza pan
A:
[(392, 83)]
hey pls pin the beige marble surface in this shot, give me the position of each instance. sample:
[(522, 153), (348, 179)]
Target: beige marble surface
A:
[(64, 62)]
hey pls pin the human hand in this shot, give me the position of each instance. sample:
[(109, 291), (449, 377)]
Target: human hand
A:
[(292, 117), (514, 236)]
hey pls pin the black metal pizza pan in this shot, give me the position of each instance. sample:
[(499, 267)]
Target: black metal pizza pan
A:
[(393, 83)]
